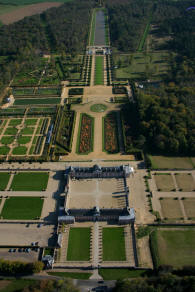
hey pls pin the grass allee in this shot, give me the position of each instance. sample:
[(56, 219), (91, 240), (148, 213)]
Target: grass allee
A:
[(22, 208), (173, 247), (79, 244), (99, 70), (4, 178), (30, 181), (113, 244)]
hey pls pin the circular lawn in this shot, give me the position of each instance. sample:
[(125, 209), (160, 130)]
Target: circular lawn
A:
[(98, 108)]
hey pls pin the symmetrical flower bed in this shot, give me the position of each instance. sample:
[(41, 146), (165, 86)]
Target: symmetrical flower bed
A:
[(86, 134), (110, 134)]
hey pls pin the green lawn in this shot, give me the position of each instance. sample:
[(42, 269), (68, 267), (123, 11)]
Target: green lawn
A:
[(30, 181), (15, 122), (7, 140), (98, 108), (24, 139), (22, 208), (4, 178), (30, 122), (27, 131), (19, 150), (113, 244), (99, 70), (29, 101), (4, 150), (173, 247), (163, 162), (79, 244), (73, 275), (114, 274), (11, 131)]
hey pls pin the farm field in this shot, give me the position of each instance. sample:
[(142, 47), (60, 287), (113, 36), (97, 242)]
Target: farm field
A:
[(185, 182), (85, 137), (110, 134), (13, 15), (79, 244), (174, 247), (99, 70), (113, 244), (164, 162), (4, 179), (171, 208), (22, 208), (139, 65), (30, 181), (164, 182)]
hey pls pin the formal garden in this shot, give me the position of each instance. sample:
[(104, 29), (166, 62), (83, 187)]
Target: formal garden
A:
[(110, 133), (85, 136), (21, 137)]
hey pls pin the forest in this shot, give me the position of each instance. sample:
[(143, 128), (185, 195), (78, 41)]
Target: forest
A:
[(127, 20), (165, 122)]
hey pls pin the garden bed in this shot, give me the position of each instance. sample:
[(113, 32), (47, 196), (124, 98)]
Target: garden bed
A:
[(110, 134), (85, 140)]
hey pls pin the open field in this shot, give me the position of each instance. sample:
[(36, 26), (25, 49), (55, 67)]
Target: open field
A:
[(174, 247), (30, 181), (20, 13), (164, 162), (4, 178), (22, 208), (185, 182), (171, 208), (140, 65), (164, 182), (79, 244), (113, 244), (189, 206)]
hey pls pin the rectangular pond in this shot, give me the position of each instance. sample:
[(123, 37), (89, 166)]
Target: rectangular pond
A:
[(100, 29)]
